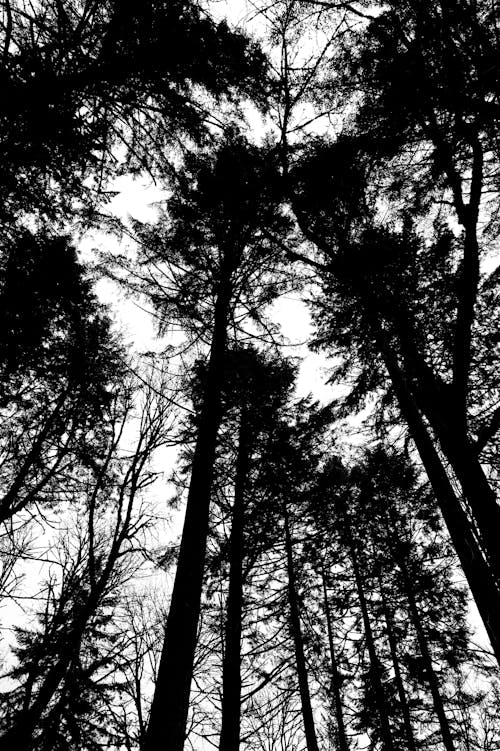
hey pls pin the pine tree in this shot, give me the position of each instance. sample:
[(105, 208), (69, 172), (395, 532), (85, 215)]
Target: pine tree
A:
[(216, 223)]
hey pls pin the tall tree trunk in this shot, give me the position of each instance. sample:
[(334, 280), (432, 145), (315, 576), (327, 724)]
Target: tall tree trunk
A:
[(300, 661), (477, 571), (427, 659), (391, 637), (480, 576), (11, 502), (378, 689), (20, 734), (443, 415), (445, 408), (478, 494), (169, 709), (231, 669), (447, 417), (336, 684)]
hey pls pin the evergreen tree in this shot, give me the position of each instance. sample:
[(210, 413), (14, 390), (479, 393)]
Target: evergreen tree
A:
[(214, 231), (387, 302), (85, 80), (58, 361)]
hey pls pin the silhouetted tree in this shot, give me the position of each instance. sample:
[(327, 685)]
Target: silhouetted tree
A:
[(58, 660), (213, 244), (387, 303), (58, 361), (85, 81), (404, 299), (256, 391)]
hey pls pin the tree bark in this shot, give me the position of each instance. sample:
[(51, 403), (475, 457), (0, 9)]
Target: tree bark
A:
[(427, 659), (398, 678), (477, 492), (20, 734), (231, 670), (300, 661), (378, 689), (477, 571), (336, 684), (169, 709)]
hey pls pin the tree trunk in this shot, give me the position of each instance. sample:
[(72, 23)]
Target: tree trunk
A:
[(446, 413), (398, 678), (231, 669), (480, 576), (477, 572), (20, 735), (478, 494), (378, 689), (11, 503), (427, 659), (169, 709), (336, 684), (300, 661)]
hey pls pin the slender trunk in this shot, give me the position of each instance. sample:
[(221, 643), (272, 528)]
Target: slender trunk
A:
[(11, 503), (378, 689), (300, 661), (169, 709), (231, 669), (398, 678), (481, 578), (51, 725), (336, 683), (140, 717), (21, 732), (478, 494), (469, 274), (427, 659), (477, 572), (444, 409)]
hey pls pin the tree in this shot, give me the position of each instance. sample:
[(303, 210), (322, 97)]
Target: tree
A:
[(291, 459), (253, 603), (459, 130), (58, 660), (58, 360), (388, 300), (84, 81), (215, 232), (257, 388), (429, 159)]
